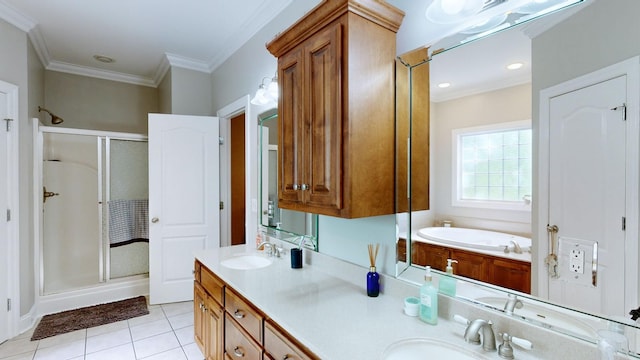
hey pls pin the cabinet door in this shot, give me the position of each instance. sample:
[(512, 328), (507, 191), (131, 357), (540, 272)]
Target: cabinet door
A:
[(290, 127), (199, 297), (471, 265), (214, 330), (428, 254), (324, 118), (511, 274)]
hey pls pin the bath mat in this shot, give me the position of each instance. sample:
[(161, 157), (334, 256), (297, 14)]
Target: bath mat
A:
[(71, 320)]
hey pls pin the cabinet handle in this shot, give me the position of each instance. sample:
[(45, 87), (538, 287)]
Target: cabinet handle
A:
[(238, 314), (286, 357), (295, 186), (304, 187), (238, 352)]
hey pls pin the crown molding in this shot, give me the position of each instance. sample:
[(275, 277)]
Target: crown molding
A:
[(15, 18), (267, 12), (100, 74), (35, 35), (187, 63), (161, 70)]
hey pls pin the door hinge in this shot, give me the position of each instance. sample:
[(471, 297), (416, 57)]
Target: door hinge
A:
[(221, 205), (220, 140), (8, 215), (624, 223), (8, 124), (8, 304), (622, 107)]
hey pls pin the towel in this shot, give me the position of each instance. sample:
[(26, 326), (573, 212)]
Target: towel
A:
[(128, 221)]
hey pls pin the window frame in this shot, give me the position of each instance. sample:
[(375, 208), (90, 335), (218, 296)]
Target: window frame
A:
[(456, 183)]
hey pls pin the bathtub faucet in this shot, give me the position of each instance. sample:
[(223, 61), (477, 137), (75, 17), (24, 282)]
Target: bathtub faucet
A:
[(516, 247)]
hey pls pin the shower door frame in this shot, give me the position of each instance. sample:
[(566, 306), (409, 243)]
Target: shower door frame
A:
[(39, 131)]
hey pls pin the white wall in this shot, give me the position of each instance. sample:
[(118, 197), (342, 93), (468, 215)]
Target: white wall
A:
[(602, 34)]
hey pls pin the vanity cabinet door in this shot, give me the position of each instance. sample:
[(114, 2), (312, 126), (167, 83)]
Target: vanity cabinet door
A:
[(199, 297), (428, 254), (214, 330)]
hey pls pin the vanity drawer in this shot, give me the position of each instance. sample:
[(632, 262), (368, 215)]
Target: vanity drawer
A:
[(213, 285), (238, 344), (240, 311), (279, 345)]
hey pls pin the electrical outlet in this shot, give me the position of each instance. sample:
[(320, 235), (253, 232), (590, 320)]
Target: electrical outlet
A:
[(576, 261)]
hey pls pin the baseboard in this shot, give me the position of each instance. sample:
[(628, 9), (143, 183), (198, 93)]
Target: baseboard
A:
[(112, 291), (27, 321)]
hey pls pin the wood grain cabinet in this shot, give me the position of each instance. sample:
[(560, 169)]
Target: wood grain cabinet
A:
[(208, 314), (509, 273), (336, 109), (227, 326)]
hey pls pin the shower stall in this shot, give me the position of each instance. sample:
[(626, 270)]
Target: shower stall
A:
[(94, 219)]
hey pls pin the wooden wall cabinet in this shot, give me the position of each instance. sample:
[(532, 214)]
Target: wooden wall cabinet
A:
[(227, 326), (336, 109)]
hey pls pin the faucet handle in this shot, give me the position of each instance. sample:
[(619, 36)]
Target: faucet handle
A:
[(523, 343), (461, 319)]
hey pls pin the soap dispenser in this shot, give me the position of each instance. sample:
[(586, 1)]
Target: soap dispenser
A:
[(447, 283), (428, 300)]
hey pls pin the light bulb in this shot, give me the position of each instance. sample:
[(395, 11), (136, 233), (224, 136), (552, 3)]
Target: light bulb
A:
[(452, 7)]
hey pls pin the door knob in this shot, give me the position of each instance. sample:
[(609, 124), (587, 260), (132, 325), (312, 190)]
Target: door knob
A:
[(155, 220)]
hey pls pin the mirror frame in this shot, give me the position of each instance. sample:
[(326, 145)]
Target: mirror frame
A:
[(310, 239)]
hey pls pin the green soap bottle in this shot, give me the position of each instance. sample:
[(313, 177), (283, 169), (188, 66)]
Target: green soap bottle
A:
[(428, 300), (447, 283)]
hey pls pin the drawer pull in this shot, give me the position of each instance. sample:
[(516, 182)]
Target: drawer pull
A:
[(238, 314), (238, 352), (286, 357)]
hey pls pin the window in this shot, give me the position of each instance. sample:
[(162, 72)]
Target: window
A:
[(493, 166)]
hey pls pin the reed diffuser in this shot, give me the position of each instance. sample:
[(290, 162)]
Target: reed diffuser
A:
[(373, 278)]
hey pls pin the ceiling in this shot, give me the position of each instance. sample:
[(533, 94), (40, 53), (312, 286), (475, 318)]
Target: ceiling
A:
[(146, 37), (143, 36)]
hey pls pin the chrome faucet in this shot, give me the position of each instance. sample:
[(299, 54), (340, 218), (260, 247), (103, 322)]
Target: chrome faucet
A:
[(477, 327), (266, 245), (516, 247), (512, 303)]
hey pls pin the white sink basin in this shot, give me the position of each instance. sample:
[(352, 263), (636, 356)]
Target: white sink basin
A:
[(246, 262), (546, 316), (422, 348)]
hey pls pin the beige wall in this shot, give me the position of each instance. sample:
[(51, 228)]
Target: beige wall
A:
[(91, 103), (510, 104), (190, 92), (164, 94)]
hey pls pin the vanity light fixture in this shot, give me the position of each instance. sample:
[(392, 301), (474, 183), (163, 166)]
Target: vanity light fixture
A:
[(515, 66), (266, 93), (453, 11)]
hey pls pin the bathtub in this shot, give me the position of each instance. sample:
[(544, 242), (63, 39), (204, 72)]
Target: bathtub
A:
[(475, 239)]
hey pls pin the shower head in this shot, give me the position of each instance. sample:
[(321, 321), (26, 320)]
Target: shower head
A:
[(55, 120)]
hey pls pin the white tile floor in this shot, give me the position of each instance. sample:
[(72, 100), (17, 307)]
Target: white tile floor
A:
[(165, 334)]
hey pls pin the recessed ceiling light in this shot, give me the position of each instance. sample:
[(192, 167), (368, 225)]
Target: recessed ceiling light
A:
[(444, 85), (104, 59), (515, 66)]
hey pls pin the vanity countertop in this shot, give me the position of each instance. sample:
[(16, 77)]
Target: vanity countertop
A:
[(326, 308)]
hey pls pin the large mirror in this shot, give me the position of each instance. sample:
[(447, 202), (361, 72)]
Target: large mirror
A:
[(283, 224), (513, 102)]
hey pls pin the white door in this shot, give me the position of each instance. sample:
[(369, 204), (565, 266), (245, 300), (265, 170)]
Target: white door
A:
[(587, 135), (4, 228), (183, 201)]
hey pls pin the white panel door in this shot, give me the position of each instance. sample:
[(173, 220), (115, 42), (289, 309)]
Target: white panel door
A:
[(183, 201), (587, 195), (4, 229)]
